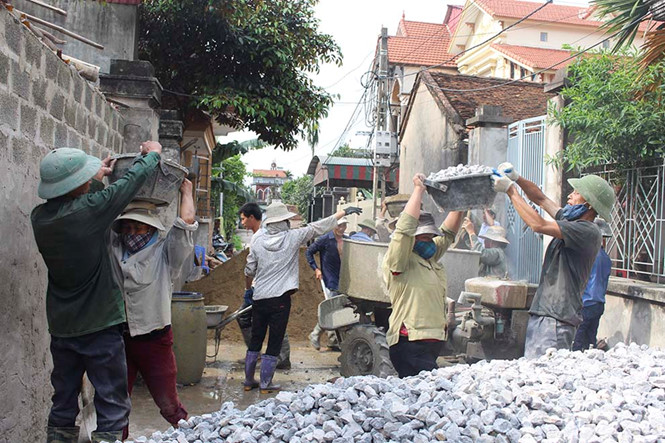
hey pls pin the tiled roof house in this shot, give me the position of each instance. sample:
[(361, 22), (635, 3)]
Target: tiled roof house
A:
[(532, 49)]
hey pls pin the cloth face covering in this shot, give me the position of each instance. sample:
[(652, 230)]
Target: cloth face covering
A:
[(135, 242), (425, 249), (573, 212)]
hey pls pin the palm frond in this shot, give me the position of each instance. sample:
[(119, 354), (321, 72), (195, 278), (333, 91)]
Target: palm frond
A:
[(624, 17)]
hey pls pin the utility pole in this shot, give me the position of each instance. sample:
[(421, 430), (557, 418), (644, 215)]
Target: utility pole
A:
[(381, 116)]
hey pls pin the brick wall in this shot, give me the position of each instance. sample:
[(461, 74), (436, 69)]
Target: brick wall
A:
[(43, 104)]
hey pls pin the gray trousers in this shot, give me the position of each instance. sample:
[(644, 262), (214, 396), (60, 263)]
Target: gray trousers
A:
[(544, 332)]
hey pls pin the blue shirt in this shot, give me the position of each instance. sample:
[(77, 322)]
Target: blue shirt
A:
[(361, 236), (326, 246), (596, 287)]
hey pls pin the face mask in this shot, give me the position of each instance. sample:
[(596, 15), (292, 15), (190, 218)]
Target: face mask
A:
[(573, 212), (135, 242), (425, 249)]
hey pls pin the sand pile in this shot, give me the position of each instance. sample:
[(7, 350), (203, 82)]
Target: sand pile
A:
[(226, 285)]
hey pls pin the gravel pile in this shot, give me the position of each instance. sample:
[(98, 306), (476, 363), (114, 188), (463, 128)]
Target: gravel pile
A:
[(563, 396), (458, 171)]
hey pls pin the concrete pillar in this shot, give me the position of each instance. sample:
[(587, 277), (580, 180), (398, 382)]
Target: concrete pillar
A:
[(133, 86), (555, 142), (488, 145), (171, 129)]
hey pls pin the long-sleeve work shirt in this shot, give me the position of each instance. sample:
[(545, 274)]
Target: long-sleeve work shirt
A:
[(326, 247), (73, 237), (273, 258), (492, 260), (146, 277), (417, 287)]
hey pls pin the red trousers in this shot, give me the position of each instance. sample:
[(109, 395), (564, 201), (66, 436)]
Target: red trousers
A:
[(154, 359)]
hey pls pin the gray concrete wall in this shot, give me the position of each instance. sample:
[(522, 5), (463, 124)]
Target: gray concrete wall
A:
[(43, 103), (428, 144), (634, 312), (112, 25)]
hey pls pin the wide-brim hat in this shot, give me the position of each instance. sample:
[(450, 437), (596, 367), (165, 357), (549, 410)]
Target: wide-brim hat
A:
[(342, 220), (495, 233), (277, 212), (140, 211), (426, 225), (367, 223), (597, 192), (64, 169)]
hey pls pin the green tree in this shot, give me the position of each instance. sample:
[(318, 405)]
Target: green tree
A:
[(233, 171), (299, 192), (347, 151), (605, 121), (245, 61)]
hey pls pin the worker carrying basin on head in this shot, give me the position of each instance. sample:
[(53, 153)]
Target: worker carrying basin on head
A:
[(416, 283), (555, 310), (146, 260), (493, 261), (272, 270), (84, 305)]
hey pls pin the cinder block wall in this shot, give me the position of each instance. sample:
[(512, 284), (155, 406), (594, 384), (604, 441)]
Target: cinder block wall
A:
[(43, 104)]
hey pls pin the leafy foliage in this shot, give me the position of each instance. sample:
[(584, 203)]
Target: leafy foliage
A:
[(607, 124), (245, 61), (232, 170), (347, 151), (299, 192)]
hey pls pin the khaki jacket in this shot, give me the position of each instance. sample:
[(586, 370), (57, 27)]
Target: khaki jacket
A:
[(417, 287)]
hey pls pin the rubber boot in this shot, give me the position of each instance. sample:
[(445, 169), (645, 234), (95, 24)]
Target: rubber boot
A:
[(268, 364), (250, 367), (284, 357), (246, 335), (315, 337), (107, 436), (62, 434)]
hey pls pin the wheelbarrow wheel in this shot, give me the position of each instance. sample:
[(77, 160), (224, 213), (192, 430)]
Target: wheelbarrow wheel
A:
[(365, 352)]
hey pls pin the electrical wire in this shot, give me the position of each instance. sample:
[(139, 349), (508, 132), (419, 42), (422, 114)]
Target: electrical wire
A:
[(576, 54), (481, 43)]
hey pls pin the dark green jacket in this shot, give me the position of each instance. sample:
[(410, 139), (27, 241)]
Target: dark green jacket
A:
[(72, 236)]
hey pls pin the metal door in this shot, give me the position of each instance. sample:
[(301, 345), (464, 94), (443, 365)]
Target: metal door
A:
[(526, 151)]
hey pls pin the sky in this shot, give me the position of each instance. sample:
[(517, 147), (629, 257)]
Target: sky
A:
[(355, 25)]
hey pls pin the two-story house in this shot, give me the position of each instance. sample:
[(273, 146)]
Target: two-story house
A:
[(267, 183)]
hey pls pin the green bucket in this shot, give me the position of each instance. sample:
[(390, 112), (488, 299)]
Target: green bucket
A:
[(188, 321)]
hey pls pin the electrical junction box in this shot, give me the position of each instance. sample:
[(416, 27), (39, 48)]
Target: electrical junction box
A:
[(385, 143), (385, 148)]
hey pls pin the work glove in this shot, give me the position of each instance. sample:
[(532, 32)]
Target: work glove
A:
[(249, 294), (501, 183), (352, 210), (508, 170)]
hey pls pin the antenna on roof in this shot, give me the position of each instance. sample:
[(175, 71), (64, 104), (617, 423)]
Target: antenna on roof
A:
[(403, 15)]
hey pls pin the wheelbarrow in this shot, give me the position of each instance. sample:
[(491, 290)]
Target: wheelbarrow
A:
[(217, 321)]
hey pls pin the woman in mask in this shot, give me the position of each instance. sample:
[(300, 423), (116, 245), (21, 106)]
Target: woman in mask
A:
[(416, 283), (146, 260)]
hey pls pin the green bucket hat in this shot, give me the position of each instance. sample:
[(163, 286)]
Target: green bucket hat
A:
[(597, 192), (368, 224), (64, 169)]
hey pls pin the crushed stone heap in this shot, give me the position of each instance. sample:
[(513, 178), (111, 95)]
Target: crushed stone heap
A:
[(458, 171), (617, 395)]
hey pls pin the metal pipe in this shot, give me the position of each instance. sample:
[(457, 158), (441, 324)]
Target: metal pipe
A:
[(49, 7), (60, 29)]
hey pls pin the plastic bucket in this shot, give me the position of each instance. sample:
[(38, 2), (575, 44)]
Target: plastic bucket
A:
[(188, 321)]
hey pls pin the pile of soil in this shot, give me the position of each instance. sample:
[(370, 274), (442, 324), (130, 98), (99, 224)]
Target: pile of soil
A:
[(225, 285)]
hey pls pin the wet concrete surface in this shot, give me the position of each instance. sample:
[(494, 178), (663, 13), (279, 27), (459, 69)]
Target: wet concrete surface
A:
[(222, 381)]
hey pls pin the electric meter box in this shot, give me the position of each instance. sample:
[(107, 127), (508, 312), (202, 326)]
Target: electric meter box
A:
[(385, 143)]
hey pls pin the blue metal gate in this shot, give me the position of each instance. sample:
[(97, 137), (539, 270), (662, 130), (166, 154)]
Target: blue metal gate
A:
[(526, 151)]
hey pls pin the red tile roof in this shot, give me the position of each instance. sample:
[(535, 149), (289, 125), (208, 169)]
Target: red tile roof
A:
[(419, 43), (537, 58), (572, 15), (519, 100), (453, 15), (269, 173)]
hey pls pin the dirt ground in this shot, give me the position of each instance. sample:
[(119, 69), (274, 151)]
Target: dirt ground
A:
[(222, 379), (226, 285)]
